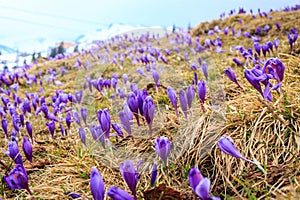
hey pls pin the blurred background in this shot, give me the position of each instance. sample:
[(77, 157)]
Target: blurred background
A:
[(34, 27)]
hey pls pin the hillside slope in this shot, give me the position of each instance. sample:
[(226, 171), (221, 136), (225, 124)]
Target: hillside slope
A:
[(264, 131)]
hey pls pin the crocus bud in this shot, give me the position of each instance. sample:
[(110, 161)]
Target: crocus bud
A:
[(68, 120), (155, 76), (76, 117), (118, 194), (125, 121), (81, 133), (84, 112), (238, 62), (163, 147), (62, 130), (132, 102), (172, 96), (4, 126), (104, 120), (183, 103), (27, 149), (231, 75), (190, 94), (130, 174), (153, 174), (29, 129), (205, 70), (201, 91), (265, 49), (117, 129), (51, 127), (78, 96), (257, 48), (149, 111), (125, 78), (96, 184)]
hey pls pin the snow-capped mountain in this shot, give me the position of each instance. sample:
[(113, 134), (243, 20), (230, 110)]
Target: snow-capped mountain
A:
[(28, 46)]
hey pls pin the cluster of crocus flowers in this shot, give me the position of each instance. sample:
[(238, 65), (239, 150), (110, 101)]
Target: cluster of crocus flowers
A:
[(273, 70), (292, 37), (200, 185)]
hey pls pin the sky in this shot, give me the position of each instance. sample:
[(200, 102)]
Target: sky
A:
[(27, 20)]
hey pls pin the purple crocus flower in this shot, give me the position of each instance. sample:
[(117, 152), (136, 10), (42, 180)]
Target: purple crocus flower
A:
[(17, 178), (277, 66), (27, 148), (163, 147), (195, 177), (183, 103), (118, 194), (84, 113), (78, 96), (13, 152), (76, 117), (202, 190), (133, 104), (125, 121), (226, 144), (237, 61), (257, 48), (155, 76), (265, 49), (253, 80), (68, 120), (205, 70), (62, 130), (125, 78), (231, 75), (117, 129), (51, 127), (149, 111), (73, 195), (276, 44), (29, 129), (201, 91), (96, 184), (81, 133), (16, 122), (104, 120), (4, 126), (130, 175), (172, 96), (190, 94), (153, 174)]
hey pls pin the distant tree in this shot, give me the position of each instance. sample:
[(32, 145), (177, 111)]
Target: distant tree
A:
[(39, 55), (174, 28), (33, 57), (61, 49), (53, 52), (189, 27), (76, 49)]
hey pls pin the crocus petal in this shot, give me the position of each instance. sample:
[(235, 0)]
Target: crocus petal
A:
[(27, 148), (96, 184)]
